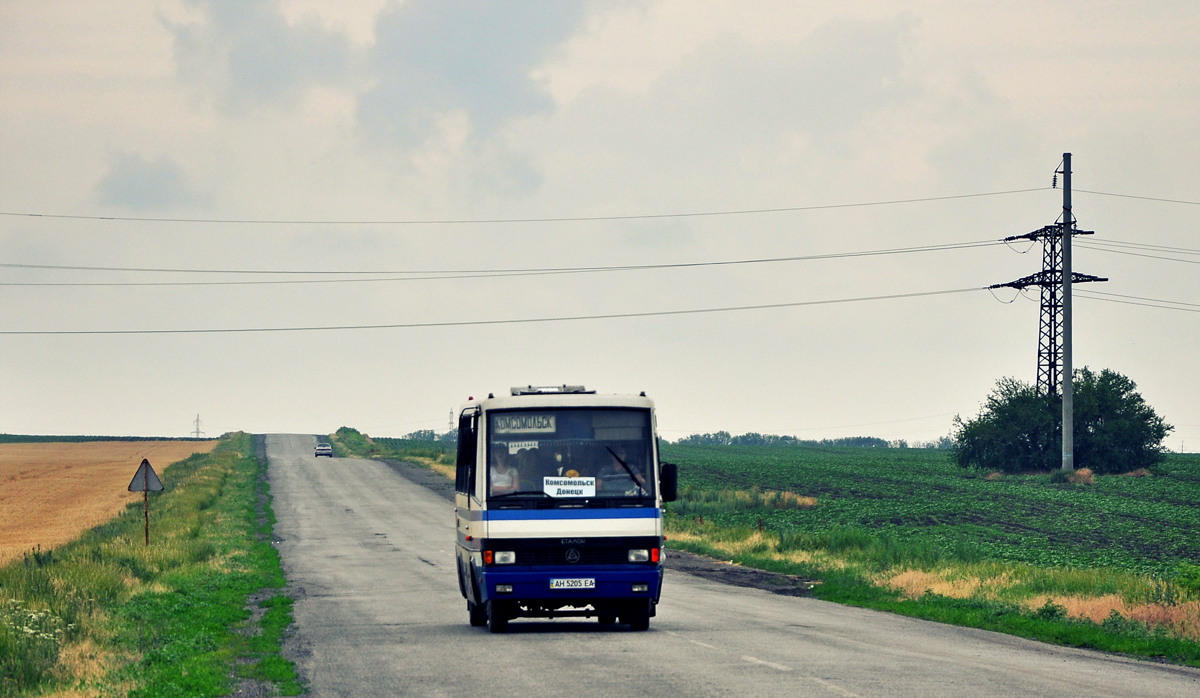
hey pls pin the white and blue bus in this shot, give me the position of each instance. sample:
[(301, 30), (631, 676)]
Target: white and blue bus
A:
[(559, 495)]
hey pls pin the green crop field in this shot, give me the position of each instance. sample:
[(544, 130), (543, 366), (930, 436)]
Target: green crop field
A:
[(1140, 524), (1109, 565)]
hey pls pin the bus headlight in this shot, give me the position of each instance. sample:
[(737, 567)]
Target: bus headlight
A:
[(505, 557), (639, 555)]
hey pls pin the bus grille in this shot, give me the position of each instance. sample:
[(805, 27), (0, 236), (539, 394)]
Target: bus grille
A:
[(587, 556)]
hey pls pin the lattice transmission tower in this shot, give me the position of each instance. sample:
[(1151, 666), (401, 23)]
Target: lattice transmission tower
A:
[(1050, 280), (1054, 330)]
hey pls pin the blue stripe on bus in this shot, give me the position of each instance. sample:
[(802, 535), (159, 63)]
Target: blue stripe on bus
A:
[(543, 514)]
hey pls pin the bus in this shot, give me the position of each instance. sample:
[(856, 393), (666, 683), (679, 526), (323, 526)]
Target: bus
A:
[(559, 497)]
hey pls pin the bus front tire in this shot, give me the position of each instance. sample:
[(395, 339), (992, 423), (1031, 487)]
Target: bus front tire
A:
[(497, 617), (637, 617), (479, 617)]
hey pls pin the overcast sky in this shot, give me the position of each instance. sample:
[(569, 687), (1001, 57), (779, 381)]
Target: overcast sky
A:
[(340, 114)]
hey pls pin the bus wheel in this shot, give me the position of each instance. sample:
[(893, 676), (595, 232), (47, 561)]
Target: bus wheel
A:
[(497, 617), (637, 617), (478, 614)]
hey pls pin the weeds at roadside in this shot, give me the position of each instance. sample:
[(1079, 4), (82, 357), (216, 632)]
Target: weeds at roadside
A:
[(438, 456), (115, 616), (993, 602), (949, 572)]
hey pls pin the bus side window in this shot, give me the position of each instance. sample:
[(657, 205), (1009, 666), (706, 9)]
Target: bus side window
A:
[(464, 476)]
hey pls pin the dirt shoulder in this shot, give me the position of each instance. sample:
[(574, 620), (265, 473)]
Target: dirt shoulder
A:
[(422, 476), (737, 575)]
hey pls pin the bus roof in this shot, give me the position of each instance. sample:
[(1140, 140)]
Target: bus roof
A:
[(559, 399)]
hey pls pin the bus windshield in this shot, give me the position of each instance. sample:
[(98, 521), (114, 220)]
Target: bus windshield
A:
[(570, 454)]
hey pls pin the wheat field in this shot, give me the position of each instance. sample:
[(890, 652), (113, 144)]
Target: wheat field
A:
[(52, 492)]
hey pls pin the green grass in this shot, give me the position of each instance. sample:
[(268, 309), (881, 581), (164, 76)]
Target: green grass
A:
[(165, 620), (918, 496), (350, 442), (1047, 624), (882, 512)]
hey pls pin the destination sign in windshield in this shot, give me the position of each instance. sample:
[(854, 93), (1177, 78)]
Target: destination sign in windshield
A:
[(569, 486), (523, 423)]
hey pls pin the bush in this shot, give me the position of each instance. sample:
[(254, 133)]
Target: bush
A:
[(1188, 578), (1018, 431), (1050, 611), (1021, 431), (1115, 430), (354, 441)]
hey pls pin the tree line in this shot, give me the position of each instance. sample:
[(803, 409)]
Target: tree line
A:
[(1018, 430), (724, 438)]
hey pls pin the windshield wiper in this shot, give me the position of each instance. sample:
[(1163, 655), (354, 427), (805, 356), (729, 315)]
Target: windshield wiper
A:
[(506, 495), (624, 465)]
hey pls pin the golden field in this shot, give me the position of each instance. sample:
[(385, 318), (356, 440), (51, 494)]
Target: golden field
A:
[(52, 492)]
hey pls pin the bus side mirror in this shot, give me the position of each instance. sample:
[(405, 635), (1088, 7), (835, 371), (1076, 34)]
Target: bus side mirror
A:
[(668, 479)]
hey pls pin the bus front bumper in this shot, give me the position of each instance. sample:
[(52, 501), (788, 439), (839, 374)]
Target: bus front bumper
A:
[(537, 584)]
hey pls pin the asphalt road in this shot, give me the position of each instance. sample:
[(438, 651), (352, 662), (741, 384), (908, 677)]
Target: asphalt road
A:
[(369, 558)]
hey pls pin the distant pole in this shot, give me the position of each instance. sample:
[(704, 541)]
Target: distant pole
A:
[(1068, 388), (146, 501)]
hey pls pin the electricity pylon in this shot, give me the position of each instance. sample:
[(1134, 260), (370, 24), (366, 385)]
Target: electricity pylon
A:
[(1054, 330)]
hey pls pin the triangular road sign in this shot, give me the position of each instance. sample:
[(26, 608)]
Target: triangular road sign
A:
[(145, 479)]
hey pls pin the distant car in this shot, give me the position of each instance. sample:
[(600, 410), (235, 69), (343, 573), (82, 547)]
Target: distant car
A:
[(323, 450)]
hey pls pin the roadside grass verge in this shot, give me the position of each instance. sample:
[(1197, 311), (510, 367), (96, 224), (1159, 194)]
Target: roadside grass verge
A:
[(1159, 620), (438, 456), (107, 615), (884, 531)]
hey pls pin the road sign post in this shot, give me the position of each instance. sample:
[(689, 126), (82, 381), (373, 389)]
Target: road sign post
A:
[(145, 480)]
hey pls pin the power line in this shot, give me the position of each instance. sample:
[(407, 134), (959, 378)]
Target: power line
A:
[(289, 281), (1138, 254), (473, 323), (1147, 305), (1143, 198), (561, 219), (438, 274), (1141, 298), (461, 273), (1143, 246), (487, 273), (874, 424), (480, 221)]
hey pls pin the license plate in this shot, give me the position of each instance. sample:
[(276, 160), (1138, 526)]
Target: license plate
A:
[(572, 583)]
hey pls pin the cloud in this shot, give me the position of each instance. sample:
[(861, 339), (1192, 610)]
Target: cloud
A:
[(432, 57), (137, 183), (989, 154), (760, 119), (244, 53), (824, 84)]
